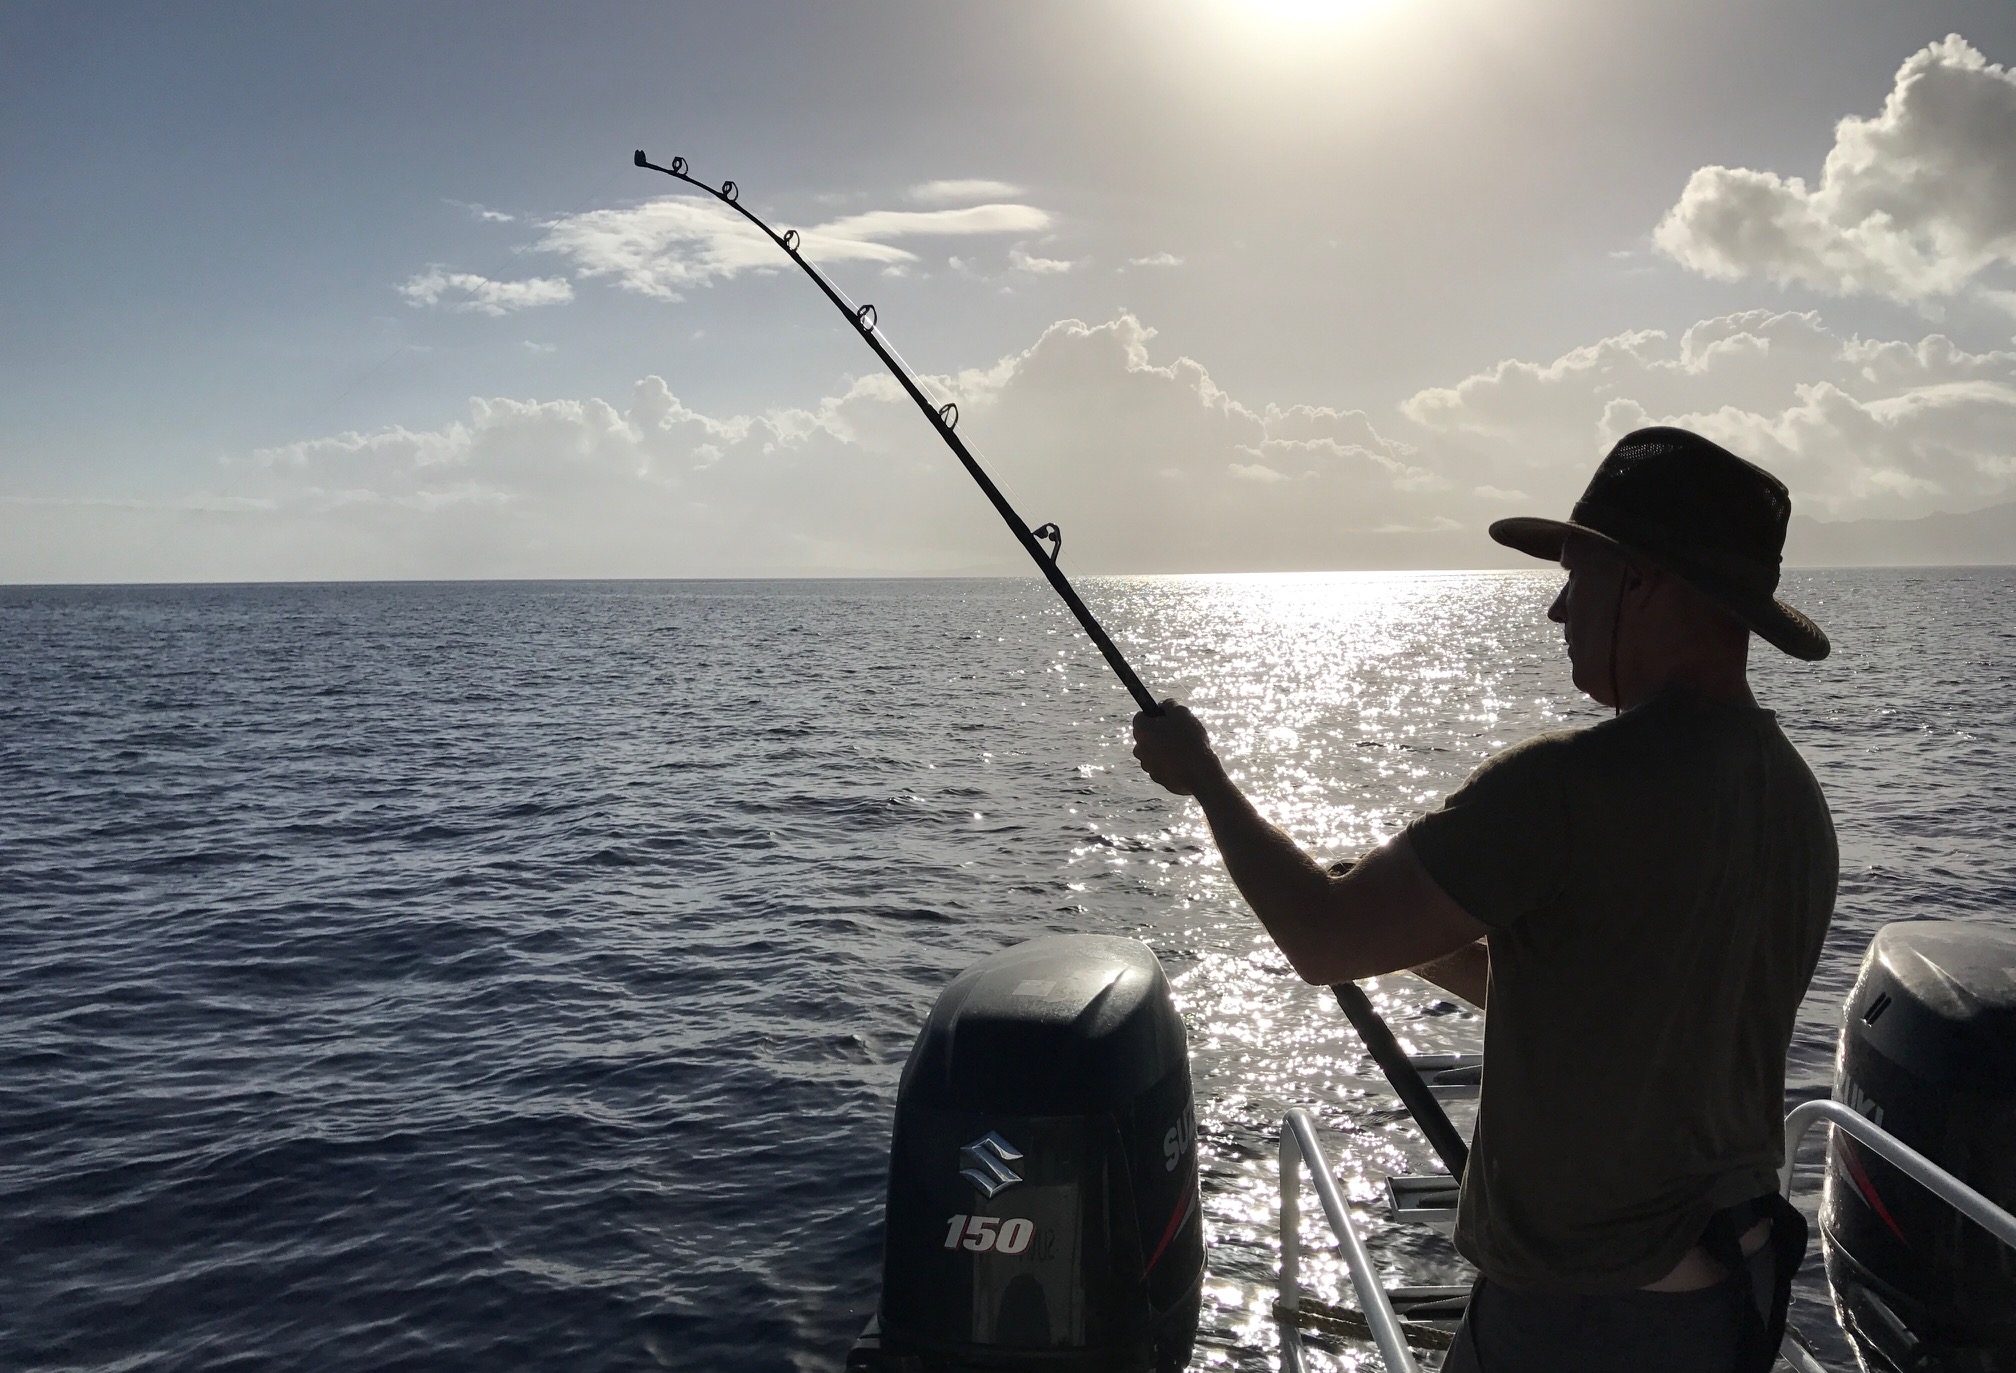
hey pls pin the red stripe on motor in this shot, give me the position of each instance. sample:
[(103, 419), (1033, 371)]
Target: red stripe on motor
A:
[(1868, 1189), (1175, 1223)]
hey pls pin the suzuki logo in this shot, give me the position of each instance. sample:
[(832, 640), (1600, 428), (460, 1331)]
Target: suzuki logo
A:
[(1859, 1101), (989, 1157)]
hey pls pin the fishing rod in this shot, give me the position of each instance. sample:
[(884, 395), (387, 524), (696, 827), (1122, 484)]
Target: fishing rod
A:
[(1385, 1050), (1443, 1136), (945, 419)]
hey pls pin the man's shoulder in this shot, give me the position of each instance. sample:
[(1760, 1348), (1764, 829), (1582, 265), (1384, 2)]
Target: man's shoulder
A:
[(1542, 755), (1676, 721), (1540, 750), (1526, 769), (1500, 844), (1646, 747), (1689, 749)]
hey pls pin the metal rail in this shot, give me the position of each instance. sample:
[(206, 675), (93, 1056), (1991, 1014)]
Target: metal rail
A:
[(1298, 1143), (1901, 1156), (943, 418), (1797, 1356)]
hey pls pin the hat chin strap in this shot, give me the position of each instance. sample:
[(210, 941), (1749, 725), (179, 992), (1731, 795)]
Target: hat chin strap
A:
[(1616, 632)]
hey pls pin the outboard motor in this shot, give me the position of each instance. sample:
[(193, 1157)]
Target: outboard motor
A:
[(1043, 1209), (1928, 1052)]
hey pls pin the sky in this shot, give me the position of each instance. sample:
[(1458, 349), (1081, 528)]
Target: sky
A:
[(372, 290)]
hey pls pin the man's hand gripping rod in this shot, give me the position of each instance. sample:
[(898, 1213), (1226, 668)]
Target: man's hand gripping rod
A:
[(944, 419)]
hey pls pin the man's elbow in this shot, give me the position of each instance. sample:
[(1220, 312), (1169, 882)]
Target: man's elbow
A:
[(1326, 968), (1312, 954), (1315, 974)]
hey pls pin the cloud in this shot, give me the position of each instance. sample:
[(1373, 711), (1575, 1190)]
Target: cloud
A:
[(1134, 455), (1256, 472), (665, 247), (1156, 260), (969, 188), (1038, 266), (974, 219), (1858, 428), (1147, 462), (468, 292), (484, 212), (1912, 204)]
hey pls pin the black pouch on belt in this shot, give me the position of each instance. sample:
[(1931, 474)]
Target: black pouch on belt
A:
[(1767, 1291)]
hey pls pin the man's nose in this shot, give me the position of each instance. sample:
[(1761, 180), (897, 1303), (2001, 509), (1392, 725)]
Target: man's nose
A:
[(1558, 612)]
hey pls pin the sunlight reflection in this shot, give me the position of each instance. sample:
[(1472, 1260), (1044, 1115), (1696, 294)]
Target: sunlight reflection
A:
[(1345, 704)]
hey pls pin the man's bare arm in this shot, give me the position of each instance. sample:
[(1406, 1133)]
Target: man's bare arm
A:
[(1384, 914), (1466, 972)]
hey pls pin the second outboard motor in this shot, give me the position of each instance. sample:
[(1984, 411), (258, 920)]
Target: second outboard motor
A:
[(1928, 1052), (1043, 1209)]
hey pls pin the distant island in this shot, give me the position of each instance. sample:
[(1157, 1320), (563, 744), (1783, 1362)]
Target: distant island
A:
[(1976, 538)]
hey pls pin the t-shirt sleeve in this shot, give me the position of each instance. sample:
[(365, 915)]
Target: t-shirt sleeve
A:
[(1500, 844)]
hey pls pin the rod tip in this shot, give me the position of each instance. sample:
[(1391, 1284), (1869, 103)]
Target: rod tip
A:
[(638, 159)]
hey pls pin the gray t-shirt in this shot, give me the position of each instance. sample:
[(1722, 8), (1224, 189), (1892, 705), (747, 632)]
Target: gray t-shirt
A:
[(1657, 887)]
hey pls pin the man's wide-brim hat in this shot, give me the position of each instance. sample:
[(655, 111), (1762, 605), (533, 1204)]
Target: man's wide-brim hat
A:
[(1699, 511)]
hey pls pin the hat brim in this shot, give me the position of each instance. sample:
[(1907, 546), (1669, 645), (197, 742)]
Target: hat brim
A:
[(1778, 624)]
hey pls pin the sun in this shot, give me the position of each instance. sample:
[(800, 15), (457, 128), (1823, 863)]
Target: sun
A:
[(1299, 28), (1308, 13)]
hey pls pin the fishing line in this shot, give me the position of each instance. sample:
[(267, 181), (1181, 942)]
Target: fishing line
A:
[(944, 418)]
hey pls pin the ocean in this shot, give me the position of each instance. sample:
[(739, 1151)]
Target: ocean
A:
[(517, 975)]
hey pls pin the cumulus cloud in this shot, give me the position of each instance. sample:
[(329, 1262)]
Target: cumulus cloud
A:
[(468, 292), (665, 247), (1257, 472), (1156, 260), (1147, 462), (483, 212), (968, 188), (1857, 428), (1038, 266), (1914, 203)]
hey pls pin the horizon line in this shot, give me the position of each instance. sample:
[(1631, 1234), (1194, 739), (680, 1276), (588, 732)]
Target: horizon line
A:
[(1537, 569)]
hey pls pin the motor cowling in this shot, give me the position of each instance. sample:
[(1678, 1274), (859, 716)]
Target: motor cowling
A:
[(1928, 1052), (1042, 1207)]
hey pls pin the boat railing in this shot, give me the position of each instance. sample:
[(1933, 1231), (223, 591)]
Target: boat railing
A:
[(1299, 1145), (1901, 1156)]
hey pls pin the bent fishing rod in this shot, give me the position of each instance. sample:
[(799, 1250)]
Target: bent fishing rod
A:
[(1378, 1039), (944, 419)]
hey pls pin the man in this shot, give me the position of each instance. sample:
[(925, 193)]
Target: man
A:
[(1638, 906)]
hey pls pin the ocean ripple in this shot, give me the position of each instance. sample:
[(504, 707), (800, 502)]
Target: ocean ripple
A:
[(518, 975)]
